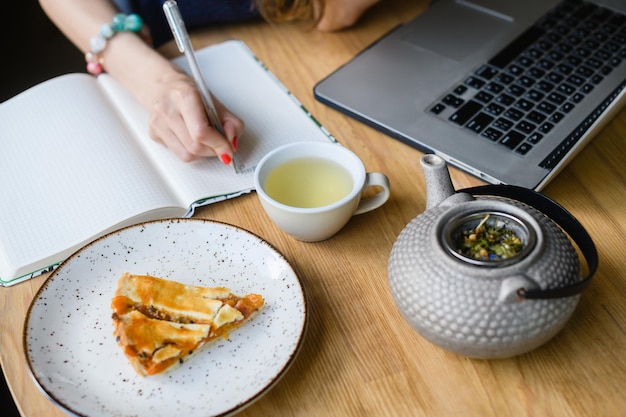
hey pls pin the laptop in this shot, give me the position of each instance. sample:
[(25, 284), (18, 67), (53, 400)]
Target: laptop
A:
[(509, 91)]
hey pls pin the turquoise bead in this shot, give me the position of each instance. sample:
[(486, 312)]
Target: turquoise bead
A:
[(118, 22), (133, 23), (107, 31)]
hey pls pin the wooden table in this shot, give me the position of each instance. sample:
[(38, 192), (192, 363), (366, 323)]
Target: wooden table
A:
[(360, 357)]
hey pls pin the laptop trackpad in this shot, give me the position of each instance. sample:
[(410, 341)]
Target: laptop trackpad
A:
[(456, 30)]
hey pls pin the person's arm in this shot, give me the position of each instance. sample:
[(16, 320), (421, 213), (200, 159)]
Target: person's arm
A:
[(177, 117), (340, 14)]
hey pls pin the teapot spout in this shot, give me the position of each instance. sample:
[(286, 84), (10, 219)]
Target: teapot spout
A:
[(438, 183)]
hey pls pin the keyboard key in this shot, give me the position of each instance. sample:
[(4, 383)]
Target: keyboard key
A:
[(556, 97), (478, 123), (606, 70), (492, 134), (576, 80), (462, 115), (515, 48), (555, 78), (494, 109), (545, 128), (525, 127), (555, 55), (584, 52), (565, 48), (600, 15), (503, 124), (515, 90), (546, 107), (536, 72), (545, 86), (525, 61), (459, 90), (556, 117), (544, 45), (577, 98), (494, 87), (504, 78), (573, 60), (564, 69), (584, 71), (602, 55), (486, 72), (535, 138), (516, 70), (453, 101), (513, 114), (526, 81), (597, 79), (573, 39), (438, 108), (581, 32), (483, 97), (561, 30), (546, 64), (512, 139), (594, 63), (601, 36), (524, 105), (534, 95), (474, 82), (591, 44), (565, 89), (524, 148), (536, 117), (586, 89), (568, 107), (505, 99)]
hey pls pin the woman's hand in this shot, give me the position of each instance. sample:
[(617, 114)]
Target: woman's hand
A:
[(178, 120), (340, 14)]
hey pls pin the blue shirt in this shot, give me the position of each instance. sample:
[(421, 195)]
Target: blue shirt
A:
[(195, 13)]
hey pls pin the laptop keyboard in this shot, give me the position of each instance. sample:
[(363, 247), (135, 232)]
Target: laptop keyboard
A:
[(523, 92)]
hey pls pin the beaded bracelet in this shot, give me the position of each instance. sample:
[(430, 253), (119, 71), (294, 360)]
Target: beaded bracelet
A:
[(120, 23)]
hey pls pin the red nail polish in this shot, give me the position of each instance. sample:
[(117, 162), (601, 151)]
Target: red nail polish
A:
[(235, 143), (225, 158)]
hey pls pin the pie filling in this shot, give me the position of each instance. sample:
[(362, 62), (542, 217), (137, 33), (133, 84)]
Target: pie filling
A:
[(160, 323)]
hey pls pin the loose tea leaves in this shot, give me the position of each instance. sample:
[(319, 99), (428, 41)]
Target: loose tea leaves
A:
[(489, 242)]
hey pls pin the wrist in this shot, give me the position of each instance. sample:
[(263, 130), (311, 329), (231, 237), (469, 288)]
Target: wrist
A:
[(98, 43)]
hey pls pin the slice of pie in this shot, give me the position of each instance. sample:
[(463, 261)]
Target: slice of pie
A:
[(160, 323)]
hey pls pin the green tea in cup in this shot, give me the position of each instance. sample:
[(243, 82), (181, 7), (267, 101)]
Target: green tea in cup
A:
[(308, 182), (311, 189)]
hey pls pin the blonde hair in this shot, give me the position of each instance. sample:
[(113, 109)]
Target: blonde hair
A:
[(280, 11)]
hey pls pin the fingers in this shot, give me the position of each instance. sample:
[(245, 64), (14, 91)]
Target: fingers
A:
[(178, 120), (335, 15)]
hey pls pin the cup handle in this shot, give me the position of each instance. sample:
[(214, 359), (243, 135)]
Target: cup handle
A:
[(373, 179)]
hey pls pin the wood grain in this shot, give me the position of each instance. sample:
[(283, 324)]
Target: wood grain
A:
[(360, 358)]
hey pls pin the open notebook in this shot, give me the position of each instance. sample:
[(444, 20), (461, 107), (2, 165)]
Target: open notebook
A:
[(77, 161), (507, 90)]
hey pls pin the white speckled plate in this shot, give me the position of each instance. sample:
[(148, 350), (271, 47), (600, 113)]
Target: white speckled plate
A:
[(68, 333)]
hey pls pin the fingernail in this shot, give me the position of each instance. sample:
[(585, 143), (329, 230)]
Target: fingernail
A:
[(226, 159), (235, 143)]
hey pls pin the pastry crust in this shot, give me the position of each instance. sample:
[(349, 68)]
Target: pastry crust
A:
[(159, 323)]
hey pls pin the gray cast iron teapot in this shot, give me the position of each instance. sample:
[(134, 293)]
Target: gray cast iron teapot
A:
[(488, 305)]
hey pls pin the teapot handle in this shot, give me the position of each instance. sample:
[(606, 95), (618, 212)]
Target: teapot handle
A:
[(560, 216)]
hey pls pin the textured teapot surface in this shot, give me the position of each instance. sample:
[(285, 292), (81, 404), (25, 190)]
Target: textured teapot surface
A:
[(474, 310)]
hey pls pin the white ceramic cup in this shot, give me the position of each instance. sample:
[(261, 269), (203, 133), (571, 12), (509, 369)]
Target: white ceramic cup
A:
[(320, 223)]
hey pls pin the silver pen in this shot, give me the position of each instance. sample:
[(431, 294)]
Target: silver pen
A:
[(177, 25)]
